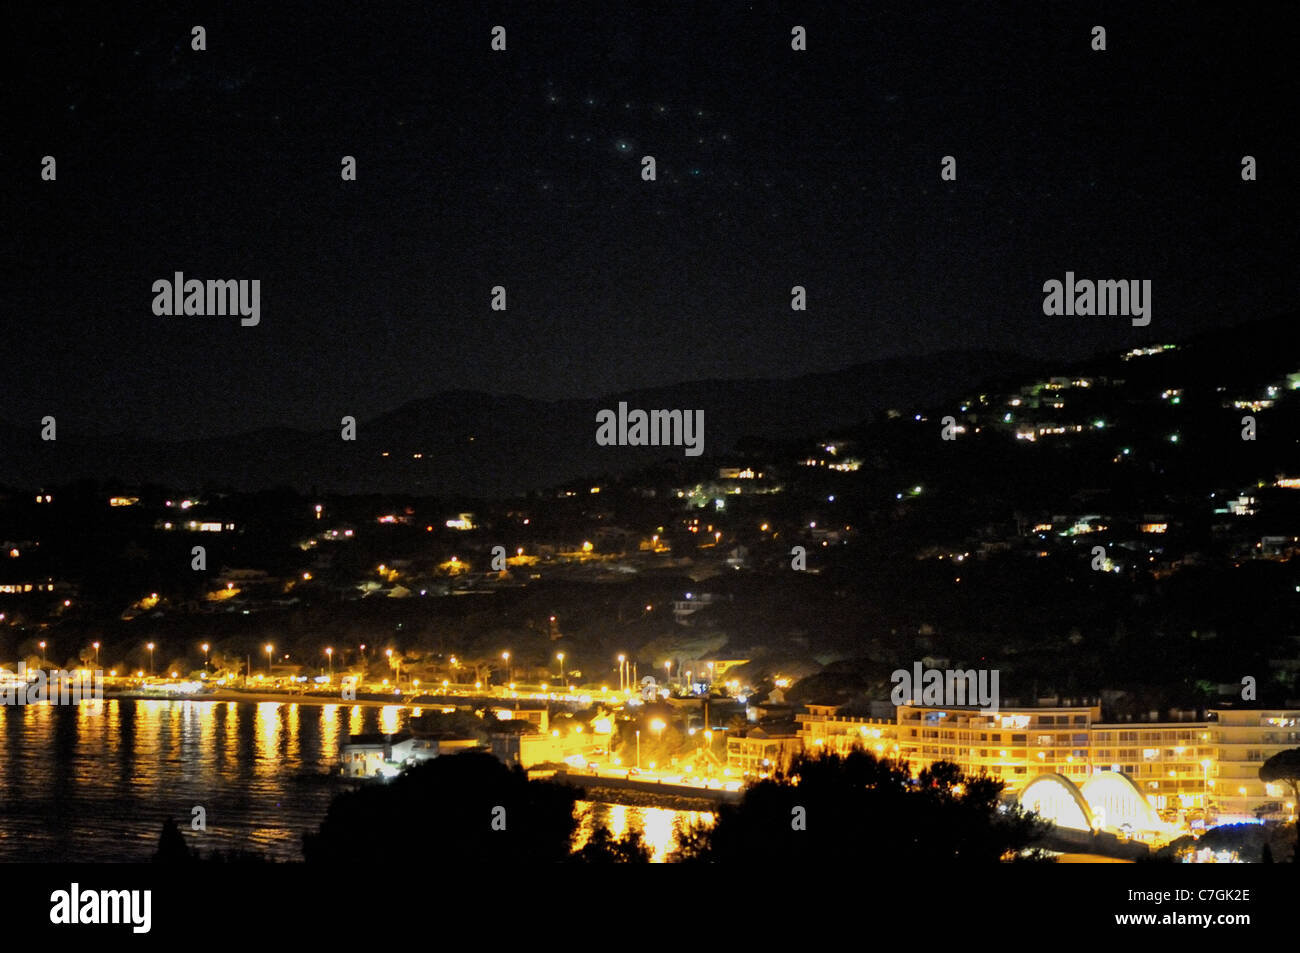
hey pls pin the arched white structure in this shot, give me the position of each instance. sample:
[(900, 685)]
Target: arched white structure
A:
[(1115, 800), (1056, 798), (1108, 799)]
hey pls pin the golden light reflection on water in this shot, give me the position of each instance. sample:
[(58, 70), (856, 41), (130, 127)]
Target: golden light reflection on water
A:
[(329, 727), (207, 726), (230, 750), (294, 737), (267, 730), (113, 728), (67, 778), (43, 713), (660, 827), (144, 752), (355, 721), (390, 719)]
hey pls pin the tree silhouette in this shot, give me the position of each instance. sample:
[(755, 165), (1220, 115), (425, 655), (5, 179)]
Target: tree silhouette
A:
[(172, 848), (603, 848), (467, 808), (1285, 767), (832, 806)]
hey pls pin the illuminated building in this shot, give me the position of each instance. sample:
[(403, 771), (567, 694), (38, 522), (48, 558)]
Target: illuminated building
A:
[(759, 753), (379, 755), (821, 729), (1177, 765), (1243, 740)]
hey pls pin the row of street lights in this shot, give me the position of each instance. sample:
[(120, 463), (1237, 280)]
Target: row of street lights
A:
[(96, 646), (505, 656), (329, 654), (207, 655)]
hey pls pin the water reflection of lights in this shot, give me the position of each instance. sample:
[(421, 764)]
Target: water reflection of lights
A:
[(292, 735), (329, 728), (121, 768), (267, 730), (660, 827)]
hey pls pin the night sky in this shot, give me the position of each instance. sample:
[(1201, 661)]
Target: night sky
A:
[(477, 168)]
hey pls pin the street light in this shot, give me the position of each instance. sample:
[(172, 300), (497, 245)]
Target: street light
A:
[(150, 648), (329, 653), (205, 648), (42, 654), (506, 656), (622, 685), (560, 657), (95, 646), (269, 649)]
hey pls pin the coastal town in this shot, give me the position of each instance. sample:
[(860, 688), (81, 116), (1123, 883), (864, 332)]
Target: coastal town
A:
[(691, 627)]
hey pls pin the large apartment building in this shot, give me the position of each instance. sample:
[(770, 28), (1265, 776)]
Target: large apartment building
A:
[(1179, 766)]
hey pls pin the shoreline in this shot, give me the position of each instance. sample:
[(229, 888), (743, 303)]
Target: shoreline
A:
[(277, 697)]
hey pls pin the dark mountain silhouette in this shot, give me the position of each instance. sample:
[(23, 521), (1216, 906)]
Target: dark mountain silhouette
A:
[(477, 444)]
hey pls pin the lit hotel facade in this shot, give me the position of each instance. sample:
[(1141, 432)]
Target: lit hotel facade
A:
[(1182, 765)]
